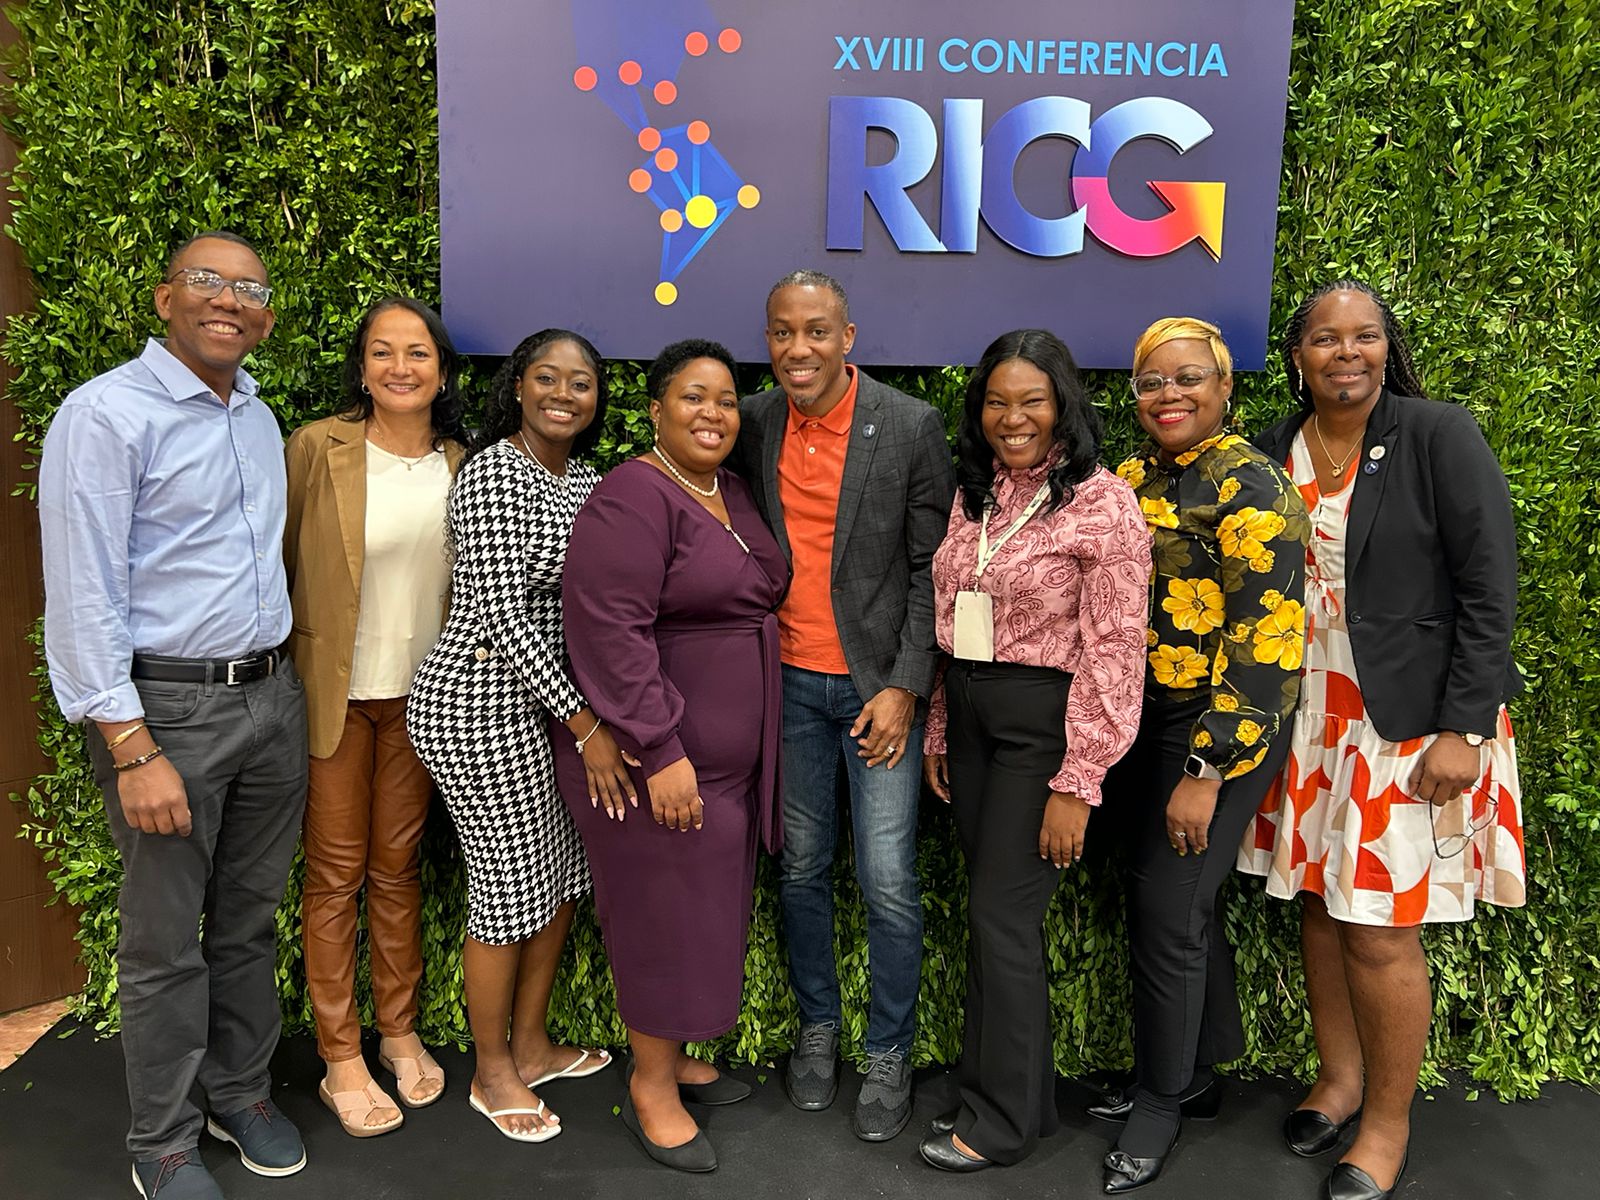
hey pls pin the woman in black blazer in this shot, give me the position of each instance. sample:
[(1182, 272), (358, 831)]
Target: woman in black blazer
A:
[(1400, 803)]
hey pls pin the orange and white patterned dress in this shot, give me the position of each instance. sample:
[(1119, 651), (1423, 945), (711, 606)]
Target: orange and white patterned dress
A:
[(1341, 819)]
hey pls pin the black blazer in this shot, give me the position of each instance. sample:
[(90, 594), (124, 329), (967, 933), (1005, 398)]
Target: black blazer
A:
[(1430, 568)]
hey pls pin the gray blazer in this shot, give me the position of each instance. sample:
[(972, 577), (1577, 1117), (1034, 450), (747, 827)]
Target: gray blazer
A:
[(894, 506)]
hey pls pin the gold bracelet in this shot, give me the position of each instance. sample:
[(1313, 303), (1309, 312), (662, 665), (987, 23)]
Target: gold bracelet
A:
[(124, 736), (138, 762)]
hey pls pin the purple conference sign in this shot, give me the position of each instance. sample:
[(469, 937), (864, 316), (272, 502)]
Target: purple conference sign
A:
[(643, 170)]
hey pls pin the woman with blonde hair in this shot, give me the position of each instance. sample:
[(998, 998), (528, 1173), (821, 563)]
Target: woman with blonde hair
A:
[(1225, 644)]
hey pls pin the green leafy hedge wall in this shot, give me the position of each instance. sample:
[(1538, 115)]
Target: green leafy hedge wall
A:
[(1445, 150)]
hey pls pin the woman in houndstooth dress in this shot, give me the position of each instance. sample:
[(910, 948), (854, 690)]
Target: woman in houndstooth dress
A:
[(479, 707)]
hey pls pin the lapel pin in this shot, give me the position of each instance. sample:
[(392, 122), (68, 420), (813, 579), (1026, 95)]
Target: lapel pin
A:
[(868, 430), (1376, 452), (1372, 468)]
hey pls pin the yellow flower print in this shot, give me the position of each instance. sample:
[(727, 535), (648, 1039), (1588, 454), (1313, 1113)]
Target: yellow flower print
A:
[(1280, 636), (1248, 765), (1271, 598), (1242, 533), (1222, 701), (1249, 732), (1262, 563), (1219, 667), (1159, 514), (1202, 740), (1151, 637), (1176, 667), (1133, 472), (1194, 606), (1228, 490)]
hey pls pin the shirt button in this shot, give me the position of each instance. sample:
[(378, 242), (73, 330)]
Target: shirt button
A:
[(480, 654), (249, 508), (811, 449), (1355, 618)]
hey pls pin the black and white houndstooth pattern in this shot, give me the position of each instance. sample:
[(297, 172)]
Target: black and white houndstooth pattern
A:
[(480, 699)]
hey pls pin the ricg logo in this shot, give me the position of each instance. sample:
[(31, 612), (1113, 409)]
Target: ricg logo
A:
[(977, 176)]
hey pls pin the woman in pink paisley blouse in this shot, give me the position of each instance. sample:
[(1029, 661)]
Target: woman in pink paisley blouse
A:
[(1040, 591)]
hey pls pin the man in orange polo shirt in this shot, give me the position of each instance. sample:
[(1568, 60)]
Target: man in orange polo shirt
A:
[(856, 481)]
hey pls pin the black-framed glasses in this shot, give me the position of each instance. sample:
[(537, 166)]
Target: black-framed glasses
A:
[(209, 284), (1454, 843), (1152, 383)]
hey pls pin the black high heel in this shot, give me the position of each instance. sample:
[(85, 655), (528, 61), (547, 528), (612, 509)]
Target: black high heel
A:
[(1124, 1172)]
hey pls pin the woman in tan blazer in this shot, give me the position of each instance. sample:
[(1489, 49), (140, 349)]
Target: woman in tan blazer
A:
[(368, 577)]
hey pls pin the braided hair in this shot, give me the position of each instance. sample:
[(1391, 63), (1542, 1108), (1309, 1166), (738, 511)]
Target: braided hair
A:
[(502, 411), (1400, 370)]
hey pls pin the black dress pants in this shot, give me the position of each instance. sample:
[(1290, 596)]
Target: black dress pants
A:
[(1185, 1006), (1006, 738)]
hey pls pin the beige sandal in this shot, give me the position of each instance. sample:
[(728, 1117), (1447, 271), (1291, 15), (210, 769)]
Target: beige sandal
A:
[(348, 1106), (408, 1072)]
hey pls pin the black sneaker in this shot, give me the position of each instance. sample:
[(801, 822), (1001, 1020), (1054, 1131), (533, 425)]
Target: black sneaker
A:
[(884, 1105), (812, 1078), (180, 1176), (268, 1142)]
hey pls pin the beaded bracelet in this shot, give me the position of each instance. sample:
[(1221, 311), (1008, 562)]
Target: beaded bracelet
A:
[(124, 735), (138, 762)]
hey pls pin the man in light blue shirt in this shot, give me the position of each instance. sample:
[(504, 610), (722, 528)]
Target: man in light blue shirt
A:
[(162, 504)]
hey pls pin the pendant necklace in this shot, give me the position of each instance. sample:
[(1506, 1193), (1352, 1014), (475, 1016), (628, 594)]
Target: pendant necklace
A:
[(1338, 467), (522, 443)]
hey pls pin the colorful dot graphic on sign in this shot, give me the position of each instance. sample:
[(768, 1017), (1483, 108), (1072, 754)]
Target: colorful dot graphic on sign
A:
[(633, 55)]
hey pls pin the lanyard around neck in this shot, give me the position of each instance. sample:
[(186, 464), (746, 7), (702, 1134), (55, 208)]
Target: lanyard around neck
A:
[(986, 553)]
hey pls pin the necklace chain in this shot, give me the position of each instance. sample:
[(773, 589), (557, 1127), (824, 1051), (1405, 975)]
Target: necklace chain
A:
[(672, 468), (1338, 467), (522, 443), (374, 435)]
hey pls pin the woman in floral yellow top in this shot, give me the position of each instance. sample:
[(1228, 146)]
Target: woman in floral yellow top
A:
[(1225, 644)]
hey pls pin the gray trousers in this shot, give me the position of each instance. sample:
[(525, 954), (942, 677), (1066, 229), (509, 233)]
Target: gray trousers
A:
[(204, 1009)]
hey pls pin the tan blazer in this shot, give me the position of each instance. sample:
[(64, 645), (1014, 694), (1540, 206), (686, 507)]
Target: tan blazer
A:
[(324, 546)]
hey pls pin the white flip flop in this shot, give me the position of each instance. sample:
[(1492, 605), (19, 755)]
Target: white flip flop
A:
[(575, 1069), (539, 1135)]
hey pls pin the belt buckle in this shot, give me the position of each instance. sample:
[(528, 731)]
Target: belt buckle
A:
[(232, 664)]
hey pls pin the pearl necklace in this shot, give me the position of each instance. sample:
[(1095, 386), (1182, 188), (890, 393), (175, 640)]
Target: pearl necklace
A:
[(1338, 467), (672, 469)]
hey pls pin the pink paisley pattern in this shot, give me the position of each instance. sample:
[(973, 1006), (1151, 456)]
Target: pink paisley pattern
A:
[(1070, 591)]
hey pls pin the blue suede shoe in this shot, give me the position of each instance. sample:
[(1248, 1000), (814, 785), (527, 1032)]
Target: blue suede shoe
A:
[(180, 1176), (267, 1141)]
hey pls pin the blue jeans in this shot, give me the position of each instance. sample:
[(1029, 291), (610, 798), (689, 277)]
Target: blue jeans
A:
[(818, 711)]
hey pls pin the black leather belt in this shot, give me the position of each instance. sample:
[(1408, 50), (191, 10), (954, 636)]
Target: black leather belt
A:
[(228, 671)]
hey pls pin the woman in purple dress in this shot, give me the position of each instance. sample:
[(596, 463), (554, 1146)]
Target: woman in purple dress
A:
[(669, 591)]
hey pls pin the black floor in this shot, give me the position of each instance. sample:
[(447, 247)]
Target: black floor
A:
[(63, 1115)]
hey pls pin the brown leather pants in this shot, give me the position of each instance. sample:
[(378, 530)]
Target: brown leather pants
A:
[(365, 807)]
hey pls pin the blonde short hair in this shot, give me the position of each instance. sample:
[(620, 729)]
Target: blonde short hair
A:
[(1173, 329)]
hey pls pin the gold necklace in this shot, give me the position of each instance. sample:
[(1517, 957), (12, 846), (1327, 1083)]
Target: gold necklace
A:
[(1338, 467), (375, 436)]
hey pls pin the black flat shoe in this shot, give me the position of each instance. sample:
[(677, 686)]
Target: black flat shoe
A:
[(1310, 1133), (939, 1150), (724, 1089), (696, 1155), (1116, 1103), (1124, 1172), (1350, 1182), (945, 1123)]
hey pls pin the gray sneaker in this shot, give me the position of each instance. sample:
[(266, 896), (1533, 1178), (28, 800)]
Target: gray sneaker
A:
[(180, 1176), (812, 1079), (884, 1105)]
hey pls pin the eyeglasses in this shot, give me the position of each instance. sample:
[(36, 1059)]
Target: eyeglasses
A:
[(1453, 844), (1186, 380), (209, 284)]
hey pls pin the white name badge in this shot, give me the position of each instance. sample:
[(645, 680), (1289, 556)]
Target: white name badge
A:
[(974, 633)]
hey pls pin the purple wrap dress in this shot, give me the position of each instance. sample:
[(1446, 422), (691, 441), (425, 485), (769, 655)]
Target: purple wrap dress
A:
[(671, 630)]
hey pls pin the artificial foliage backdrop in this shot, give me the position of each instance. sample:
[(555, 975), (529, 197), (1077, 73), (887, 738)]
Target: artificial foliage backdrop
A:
[(1444, 150)]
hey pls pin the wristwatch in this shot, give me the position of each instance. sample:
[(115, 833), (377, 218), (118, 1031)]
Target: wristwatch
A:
[(1198, 768), (1472, 739)]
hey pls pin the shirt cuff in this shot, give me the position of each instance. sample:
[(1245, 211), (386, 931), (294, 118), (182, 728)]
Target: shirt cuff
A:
[(120, 703), (1080, 779), (656, 758)]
